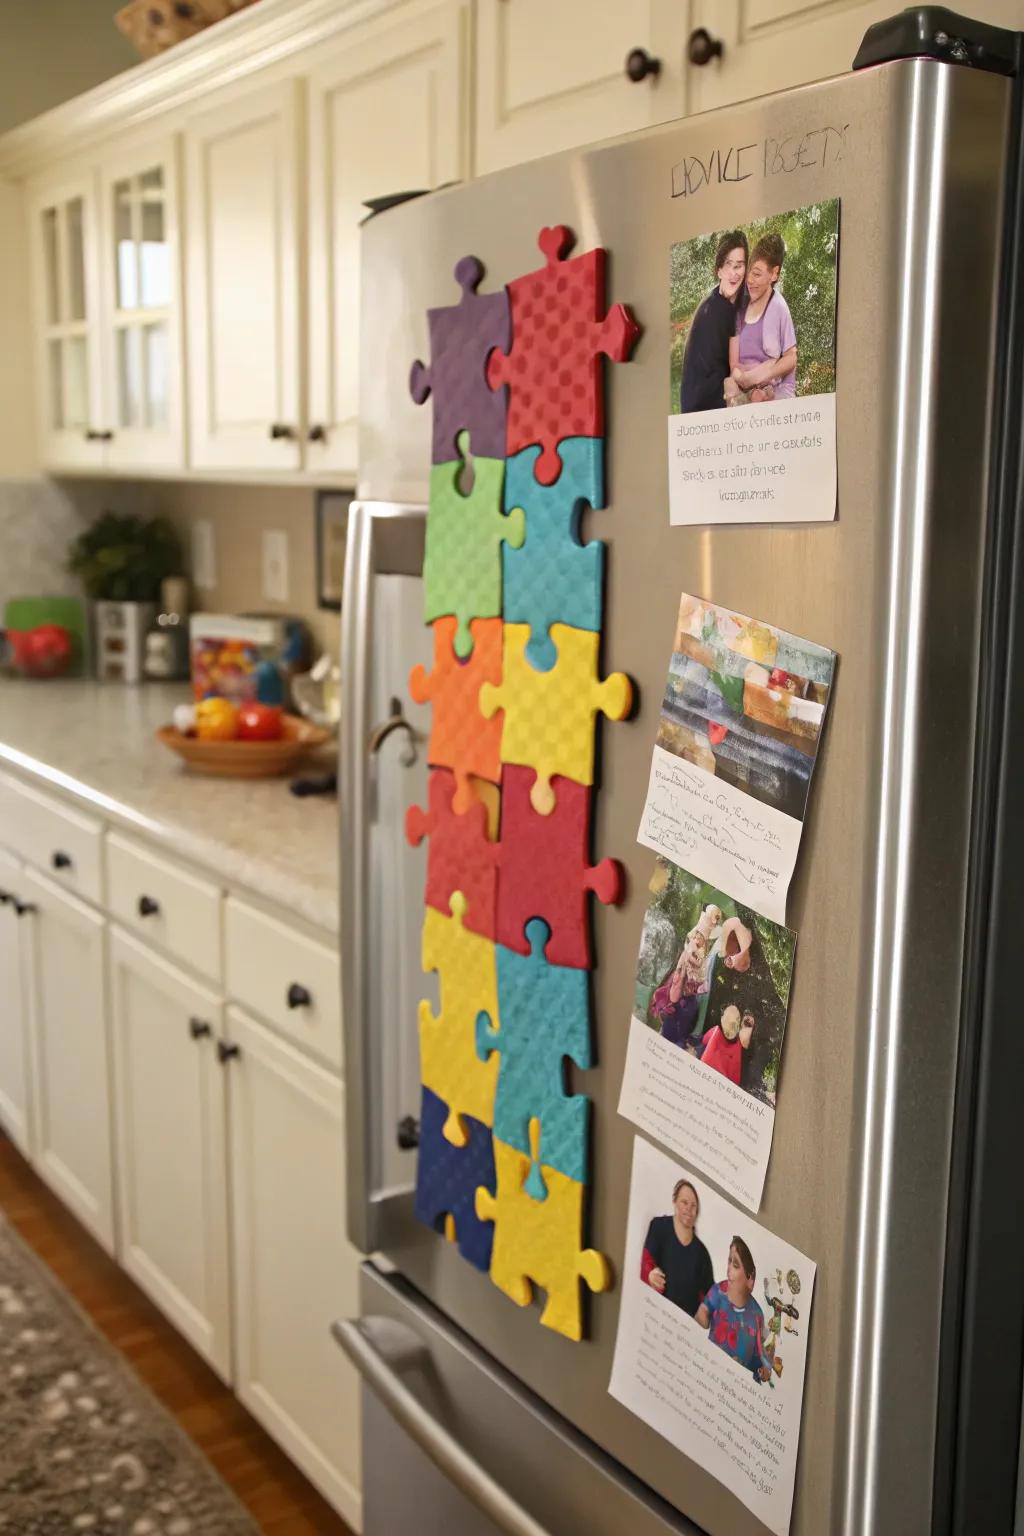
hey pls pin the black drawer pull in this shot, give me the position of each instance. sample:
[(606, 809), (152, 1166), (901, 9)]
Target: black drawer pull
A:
[(198, 1028), (148, 907), (5, 898), (61, 860), (22, 908), (407, 1133), (299, 997), (225, 1051)]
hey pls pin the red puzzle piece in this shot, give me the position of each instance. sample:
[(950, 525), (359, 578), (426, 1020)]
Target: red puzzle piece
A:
[(460, 738), (546, 870), (559, 330), (459, 858)]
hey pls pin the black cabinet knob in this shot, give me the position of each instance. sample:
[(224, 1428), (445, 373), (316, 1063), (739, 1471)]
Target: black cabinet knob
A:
[(23, 908), (701, 47), (5, 898), (407, 1133), (299, 997), (148, 907), (199, 1029), (281, 429), (640, 65), (61, 860), (318, 434), (226, 1050)]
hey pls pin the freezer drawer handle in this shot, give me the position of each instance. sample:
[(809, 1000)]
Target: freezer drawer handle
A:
[(378, 1347), (395, 721)]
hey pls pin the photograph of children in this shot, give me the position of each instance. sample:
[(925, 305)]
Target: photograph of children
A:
[(753, 311), (722, 1381), (746, 702), (713, 978)]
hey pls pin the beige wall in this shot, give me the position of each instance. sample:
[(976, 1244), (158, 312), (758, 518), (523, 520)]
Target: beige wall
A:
[(239, 514), (53, 49), (18, 454)]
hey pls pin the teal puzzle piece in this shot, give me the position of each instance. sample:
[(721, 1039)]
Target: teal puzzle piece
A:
[(462, 560), (552, 577), (545, 1017)]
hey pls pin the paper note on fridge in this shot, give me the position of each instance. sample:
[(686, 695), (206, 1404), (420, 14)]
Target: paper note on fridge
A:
[(752, 371), (710, 1002), (740, 726), (712, 1336)]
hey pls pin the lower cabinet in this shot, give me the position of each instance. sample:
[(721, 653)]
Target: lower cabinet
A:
[(171, 1139), (294, 1271), (70, 1064), (15, 1002)]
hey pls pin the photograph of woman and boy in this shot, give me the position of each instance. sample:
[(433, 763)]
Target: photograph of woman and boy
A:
[(746, 702), (713, 978), (766, 329), (677, 1265)]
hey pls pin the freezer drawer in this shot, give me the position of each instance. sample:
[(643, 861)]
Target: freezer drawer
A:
[(513, 1466)]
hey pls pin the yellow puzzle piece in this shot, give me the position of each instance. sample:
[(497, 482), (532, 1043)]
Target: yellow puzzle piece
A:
[(549, 716), (449, 1064), (540, 1240)]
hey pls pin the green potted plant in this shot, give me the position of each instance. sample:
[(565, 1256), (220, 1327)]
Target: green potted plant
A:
[(121, 559)]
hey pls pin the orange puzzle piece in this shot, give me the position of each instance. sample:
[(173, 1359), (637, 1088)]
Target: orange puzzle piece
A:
[(460, 738)]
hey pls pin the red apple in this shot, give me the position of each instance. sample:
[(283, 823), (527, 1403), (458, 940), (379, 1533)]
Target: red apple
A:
[(259, 722)]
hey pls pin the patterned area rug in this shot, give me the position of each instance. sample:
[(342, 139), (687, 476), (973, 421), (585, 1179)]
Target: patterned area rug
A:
[(84, 1446)]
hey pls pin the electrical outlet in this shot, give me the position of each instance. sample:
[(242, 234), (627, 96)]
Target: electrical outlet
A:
[(204, 556), (275, 565)]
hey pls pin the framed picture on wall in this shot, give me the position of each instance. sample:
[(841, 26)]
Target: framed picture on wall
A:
[(331, 535)]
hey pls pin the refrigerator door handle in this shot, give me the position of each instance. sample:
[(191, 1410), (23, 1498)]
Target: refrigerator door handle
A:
[(380, 1349)]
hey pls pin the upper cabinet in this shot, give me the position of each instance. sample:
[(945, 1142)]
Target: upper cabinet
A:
[(387, 115), (63, 255), (242, 273), (140, 272)]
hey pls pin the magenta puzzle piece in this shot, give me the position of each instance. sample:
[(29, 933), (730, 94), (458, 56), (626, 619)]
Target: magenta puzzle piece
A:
[(462, 336), (546, 870)]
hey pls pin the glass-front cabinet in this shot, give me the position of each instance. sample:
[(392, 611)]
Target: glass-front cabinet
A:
[(67, 304)]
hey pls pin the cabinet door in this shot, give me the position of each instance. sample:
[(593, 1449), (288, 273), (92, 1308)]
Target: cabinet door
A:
[(171, 1139), (15, 1013), (63, 257), (70, 1066), (140, 277), (386, 115), (294, 1272), (242, 272), (549, 77)]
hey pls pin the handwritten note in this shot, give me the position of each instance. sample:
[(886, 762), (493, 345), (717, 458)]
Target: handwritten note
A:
[(770, 462), (767, 158), (744, 846), (669, 1372), (697, 1113)]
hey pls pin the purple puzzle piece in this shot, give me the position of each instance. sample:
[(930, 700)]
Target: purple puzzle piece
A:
[(462, 336)]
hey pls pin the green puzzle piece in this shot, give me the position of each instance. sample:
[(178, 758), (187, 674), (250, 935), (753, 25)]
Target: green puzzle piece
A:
[(462, 563)]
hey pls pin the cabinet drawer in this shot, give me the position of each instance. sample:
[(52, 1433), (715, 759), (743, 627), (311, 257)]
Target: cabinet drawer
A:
[(291, 980), (161, 902), (64, 842)]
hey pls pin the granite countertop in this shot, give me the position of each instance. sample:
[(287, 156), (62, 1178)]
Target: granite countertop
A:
[(95, 742)]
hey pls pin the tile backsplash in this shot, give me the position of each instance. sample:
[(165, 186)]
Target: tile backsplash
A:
[(38, 520)]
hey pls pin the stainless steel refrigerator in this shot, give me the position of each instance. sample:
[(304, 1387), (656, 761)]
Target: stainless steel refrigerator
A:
[(899, 1133)]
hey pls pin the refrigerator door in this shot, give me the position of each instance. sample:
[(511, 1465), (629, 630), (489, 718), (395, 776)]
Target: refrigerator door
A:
[(860, 1169)]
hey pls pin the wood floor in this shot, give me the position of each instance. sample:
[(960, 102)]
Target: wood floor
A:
[(279, 1498)]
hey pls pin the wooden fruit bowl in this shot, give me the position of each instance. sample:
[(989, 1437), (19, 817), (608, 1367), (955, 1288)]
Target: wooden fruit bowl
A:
[(248, 759)]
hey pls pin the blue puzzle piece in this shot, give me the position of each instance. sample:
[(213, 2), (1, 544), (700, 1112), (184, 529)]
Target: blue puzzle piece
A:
[(547, 1019), (553, 578), (447, 1178)]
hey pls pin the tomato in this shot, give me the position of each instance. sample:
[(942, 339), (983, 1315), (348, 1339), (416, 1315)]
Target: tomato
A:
[(216, 719), (259, 722)]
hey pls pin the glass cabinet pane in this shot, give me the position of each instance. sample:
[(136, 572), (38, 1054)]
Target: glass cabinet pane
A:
[(129, 377), (51, 264), (155, 344), (155, 284), (125, 262), (75, 217), (76, 384)]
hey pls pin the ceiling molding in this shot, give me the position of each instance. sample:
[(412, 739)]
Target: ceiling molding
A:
[(266, 34)]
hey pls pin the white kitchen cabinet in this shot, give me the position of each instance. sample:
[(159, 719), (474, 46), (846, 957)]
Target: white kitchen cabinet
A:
[(15, 1011), (141, 307), (294, 1271), (388, 112), (242, 274), (549, 77), (70, 1059), (171, 1143), (66, 308)]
